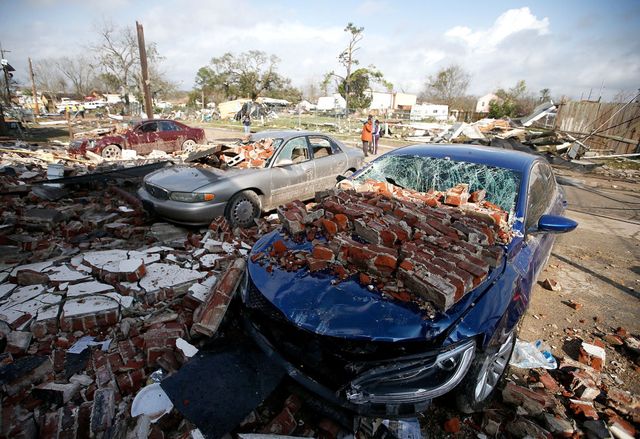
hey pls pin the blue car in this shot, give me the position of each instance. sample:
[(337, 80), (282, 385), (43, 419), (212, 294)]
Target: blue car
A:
[(378, 357)]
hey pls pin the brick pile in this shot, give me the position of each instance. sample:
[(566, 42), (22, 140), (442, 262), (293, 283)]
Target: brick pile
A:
[(140, 302), (575, 400), (254, 155), (429, 248)]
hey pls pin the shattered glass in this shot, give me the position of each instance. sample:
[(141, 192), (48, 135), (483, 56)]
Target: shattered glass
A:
[(424, 173)]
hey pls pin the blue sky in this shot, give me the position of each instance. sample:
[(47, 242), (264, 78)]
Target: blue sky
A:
[(570, 47)]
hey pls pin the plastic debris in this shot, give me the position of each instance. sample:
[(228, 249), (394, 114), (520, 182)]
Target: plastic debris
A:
[(187, 349), (86, 342), (527, 355), (152, 402)]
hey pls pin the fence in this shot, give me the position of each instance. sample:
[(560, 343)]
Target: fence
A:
[(615, 128)]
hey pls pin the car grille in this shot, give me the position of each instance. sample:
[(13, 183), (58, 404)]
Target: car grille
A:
[(157, 192), (331, 361)]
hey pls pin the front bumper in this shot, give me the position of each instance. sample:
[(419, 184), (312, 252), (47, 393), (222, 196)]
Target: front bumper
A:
[(192, 214), (396, 385)]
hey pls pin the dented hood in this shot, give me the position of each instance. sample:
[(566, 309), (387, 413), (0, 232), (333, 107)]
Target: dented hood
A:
[(313, 301), (186, 178)]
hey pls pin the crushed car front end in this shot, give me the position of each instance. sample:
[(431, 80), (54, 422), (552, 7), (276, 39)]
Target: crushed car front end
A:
[(355, 348)]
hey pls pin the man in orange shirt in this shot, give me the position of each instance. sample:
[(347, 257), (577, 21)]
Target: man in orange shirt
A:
[(366, 137)]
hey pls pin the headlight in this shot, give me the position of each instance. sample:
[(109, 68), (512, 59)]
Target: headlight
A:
[(191, 197), (413, 381)]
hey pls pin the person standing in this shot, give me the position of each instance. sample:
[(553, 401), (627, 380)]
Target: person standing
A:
[(81, 110), (246, 122), (366, 136), (375, 137)]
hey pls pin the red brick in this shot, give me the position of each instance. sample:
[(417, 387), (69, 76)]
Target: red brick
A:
[(452, 425), (283, 424), (322, 253), (329, 227), (533, 402), (583, 408), (342, 221), (316, 264), (279, 247), (385, 263)]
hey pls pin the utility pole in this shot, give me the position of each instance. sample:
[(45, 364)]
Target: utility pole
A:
[(36, 107), (5, 69), (145, 74)]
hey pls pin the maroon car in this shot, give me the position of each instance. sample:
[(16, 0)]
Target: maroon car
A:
[(160, 134)]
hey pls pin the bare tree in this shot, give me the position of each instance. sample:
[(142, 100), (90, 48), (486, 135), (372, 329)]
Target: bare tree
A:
[(447, 85), (49, 79), (119, 57), (78, 71)]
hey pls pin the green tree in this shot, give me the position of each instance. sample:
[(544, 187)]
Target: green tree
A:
[(355, 85), (249, 74), (360, 86), (513, 102), (447, 86)]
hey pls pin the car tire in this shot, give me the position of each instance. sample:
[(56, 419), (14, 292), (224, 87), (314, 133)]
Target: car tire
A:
[(487, 370), (243, 208), (187, 145), (112, 152)]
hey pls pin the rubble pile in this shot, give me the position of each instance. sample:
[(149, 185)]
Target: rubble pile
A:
[(248, 155), (41, 221), (82, 332), (428, 248), (575, 400)]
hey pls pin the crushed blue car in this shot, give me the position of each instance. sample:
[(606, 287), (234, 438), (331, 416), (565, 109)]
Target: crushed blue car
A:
[(372, 354)]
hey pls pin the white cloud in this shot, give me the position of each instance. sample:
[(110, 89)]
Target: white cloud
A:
[(507, 24), (517, 45)]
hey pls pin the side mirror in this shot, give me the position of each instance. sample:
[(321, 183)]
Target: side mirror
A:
[(556, 224), (339, 178)]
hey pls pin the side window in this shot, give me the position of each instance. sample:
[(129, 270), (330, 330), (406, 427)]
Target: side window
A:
[(321, 147), (294, 151), (541, 190), (166, 125), (151, 127)]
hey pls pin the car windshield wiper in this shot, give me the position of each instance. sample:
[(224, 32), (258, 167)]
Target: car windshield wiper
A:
[(393, 182)]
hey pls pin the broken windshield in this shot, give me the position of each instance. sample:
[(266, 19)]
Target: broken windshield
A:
[(424, 173)]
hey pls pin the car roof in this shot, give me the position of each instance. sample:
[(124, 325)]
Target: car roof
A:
[(284, 134), (502, 158)]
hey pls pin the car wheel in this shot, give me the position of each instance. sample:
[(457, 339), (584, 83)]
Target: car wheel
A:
[(480, 384), (112, 152), (243, 208), (187, 145)]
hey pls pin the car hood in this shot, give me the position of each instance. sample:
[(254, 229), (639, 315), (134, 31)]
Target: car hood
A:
[(186, 178), (347, 309)]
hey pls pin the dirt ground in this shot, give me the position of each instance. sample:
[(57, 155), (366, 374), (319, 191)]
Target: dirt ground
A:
[(597, 266)]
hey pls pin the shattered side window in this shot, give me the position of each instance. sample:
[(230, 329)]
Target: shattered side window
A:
[(425, 173)]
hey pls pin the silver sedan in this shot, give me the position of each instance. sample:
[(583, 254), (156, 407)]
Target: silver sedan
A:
[(302, 164)]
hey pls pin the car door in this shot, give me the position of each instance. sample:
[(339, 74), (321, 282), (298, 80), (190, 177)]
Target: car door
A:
[(171, 135), (147, 136), (292, 173), (330, 161), (153, 137), (542, 196), (137, 139)]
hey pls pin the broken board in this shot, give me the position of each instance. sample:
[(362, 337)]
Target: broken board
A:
[(217, 390)]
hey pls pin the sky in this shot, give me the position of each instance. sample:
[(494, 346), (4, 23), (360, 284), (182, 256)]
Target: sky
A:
[(572, 47)]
